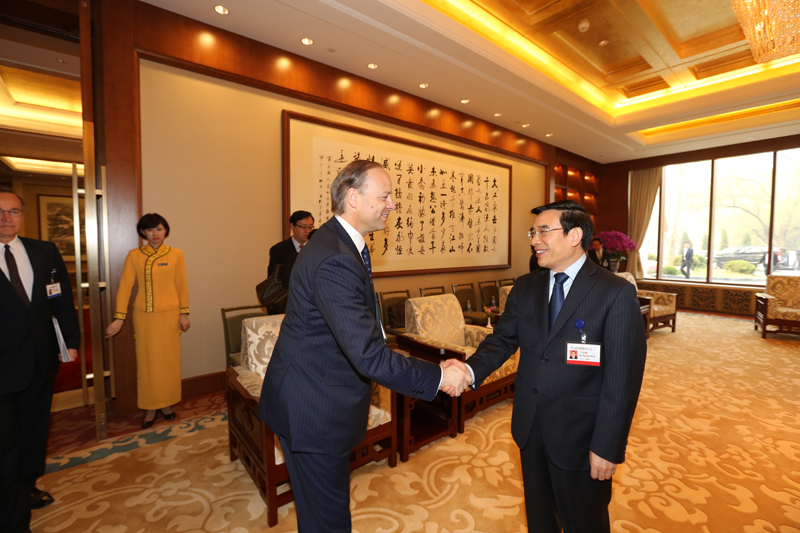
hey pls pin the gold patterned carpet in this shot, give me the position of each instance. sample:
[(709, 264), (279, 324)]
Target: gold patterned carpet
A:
[(715, 447)]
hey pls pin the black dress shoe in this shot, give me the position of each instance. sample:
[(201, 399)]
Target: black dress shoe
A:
[(40, 499), (147, 424), (170, 416)]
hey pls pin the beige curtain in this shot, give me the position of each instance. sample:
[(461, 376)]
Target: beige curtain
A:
[(644, 187)]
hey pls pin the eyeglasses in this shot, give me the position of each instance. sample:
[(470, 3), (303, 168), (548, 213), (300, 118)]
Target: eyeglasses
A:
[(542, 232), (15, 213), (304, 226)]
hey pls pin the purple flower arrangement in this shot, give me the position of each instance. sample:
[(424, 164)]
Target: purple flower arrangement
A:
[(616, 244)]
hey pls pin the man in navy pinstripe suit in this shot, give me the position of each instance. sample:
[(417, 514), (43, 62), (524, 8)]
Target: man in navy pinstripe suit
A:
[(574, 401), (331, 347)]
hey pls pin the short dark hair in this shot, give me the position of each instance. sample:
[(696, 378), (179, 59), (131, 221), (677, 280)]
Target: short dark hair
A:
[(353, 176), (598, 239), (297, 216), (573, 215), (6, 190), (150, 221)]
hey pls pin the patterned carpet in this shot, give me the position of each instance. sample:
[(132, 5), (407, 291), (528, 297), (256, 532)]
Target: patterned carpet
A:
[(715, 447)]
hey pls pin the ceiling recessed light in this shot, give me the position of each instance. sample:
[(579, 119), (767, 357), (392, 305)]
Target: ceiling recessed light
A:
[(222, 10), (548, 135), (306, 41), (750, 138), (604, 42), (373, 66), (464, 101), (498, 114), (423, 85), (526, 125), (63, 61)]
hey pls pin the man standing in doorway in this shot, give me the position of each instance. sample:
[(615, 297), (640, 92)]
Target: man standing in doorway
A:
[(582, 342), (686, 259), (34, 288)]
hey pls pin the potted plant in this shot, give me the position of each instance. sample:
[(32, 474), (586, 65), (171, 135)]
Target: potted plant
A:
[(617, 245)]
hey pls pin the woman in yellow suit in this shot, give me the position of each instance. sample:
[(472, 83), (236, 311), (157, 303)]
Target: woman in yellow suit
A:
[(160, 314)]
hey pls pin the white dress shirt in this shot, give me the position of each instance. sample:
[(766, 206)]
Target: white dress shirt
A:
[(571, 272), (23, 264)]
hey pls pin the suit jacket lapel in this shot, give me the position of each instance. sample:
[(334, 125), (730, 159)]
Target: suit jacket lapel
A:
[(348, 242), (580, 286)]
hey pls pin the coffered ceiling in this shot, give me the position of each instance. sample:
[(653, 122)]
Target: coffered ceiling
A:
[(610, 80)]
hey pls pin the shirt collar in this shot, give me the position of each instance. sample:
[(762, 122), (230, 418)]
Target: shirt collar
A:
[(296, 244), (358, 239), (573, 269), (15, 243)]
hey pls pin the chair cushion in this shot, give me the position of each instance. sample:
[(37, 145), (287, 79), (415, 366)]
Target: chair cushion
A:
[(786, 289), (259, 335), (504, 292), (628, 276), (437, 317), (787, 313)]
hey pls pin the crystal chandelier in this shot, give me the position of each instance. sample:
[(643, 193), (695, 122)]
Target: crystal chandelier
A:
[(772, 27)]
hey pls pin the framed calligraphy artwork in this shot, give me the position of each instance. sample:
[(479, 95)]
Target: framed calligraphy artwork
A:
[(453, 209)]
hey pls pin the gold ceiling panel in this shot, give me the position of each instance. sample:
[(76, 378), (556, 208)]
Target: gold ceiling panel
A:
[(34, 88), (773, 113)]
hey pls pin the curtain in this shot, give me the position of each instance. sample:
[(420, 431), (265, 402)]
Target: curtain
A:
[(644, 188)]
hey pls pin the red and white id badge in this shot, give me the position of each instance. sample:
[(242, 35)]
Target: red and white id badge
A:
[(583, 353)]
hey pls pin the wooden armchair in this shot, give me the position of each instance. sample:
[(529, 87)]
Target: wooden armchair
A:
[(663, 306), (438, 322), (490, 293), (232, 328), (465, 292), (430, 291), (393, 307), (252, 441), (779, 306)]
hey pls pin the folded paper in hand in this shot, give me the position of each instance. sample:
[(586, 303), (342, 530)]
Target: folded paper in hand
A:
[(62, 346)]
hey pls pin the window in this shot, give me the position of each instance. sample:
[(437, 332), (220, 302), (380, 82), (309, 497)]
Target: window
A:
[(740, 220), (786, 224), (742, 201), (687, 195)]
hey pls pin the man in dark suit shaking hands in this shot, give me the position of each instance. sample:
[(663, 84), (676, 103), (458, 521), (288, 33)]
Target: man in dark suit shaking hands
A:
[(34, 287), (583, 350), (331, 347)]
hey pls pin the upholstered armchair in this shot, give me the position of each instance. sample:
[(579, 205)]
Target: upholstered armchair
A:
[(252, 441), (779, 306), (504, 292), (438, 321), (663, 306)]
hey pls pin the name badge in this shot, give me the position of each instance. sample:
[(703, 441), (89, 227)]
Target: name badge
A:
[(163, 264), (53, 290), (583, 353)]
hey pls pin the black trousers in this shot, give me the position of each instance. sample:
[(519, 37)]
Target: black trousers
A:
[(556, 498), (686, 268), (321, 488), (24, 422)]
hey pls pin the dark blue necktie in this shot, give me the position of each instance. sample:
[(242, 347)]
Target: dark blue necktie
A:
[(557, 298), (367, 263)]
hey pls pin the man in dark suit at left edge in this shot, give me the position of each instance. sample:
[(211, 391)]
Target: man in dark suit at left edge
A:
[(34, 287)]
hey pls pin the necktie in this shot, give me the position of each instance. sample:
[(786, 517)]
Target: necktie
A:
[(13, 275), (367, 263), (557, 298), (301, 246)]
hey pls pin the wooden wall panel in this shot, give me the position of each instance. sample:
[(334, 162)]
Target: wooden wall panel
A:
[(167, 37), (120, 109)]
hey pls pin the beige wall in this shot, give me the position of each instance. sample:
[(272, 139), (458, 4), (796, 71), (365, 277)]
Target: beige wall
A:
[(211, 165)]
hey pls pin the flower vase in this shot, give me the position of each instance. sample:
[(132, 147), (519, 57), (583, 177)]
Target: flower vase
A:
[(613, 265), (489, 321)]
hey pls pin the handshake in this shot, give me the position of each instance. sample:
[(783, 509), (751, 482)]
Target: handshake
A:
[(456, 377)]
